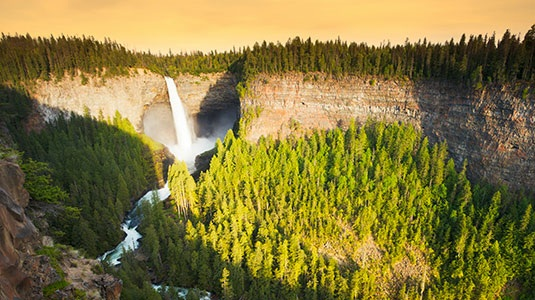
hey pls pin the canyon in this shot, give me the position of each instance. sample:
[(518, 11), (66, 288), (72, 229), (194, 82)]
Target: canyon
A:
[(490, 129)]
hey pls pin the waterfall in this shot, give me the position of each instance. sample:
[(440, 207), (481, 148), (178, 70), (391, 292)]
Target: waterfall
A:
[(184, 149), (182, 126), (187, 148)]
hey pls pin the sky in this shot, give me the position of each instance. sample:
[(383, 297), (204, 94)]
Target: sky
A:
[(184, 26)]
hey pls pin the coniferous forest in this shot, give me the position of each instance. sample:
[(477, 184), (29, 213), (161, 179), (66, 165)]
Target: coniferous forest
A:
[(473, 60), (371, 212), (374, 211), (101, 167)]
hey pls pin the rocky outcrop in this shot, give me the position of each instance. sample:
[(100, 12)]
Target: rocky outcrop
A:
[(17, 233), (85, 275), (492, 130), (24, 275)]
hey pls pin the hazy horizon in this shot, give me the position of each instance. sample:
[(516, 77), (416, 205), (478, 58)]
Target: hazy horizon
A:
[(163, 25)]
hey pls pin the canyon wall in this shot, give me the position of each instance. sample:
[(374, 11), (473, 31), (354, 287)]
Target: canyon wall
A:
[(492, 130), (17, 233), (132, 95)]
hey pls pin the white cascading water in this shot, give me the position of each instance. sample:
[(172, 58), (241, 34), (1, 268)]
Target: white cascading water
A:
[(182, 150), (131, 240), (184, 136)]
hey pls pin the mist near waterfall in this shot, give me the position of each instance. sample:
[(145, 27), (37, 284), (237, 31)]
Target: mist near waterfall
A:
[(160, 123), (208, 129)]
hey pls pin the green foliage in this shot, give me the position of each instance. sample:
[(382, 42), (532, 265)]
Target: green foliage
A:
[(55, 255), (475, 61), (15, 105), (371, 212), (7, 153), (102, 167), (49, 290), (525, 93), (182, 186), (24, 58), (135, 277), (39, 182)]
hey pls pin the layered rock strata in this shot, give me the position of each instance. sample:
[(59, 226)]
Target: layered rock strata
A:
[(132, 96), (492, 130)]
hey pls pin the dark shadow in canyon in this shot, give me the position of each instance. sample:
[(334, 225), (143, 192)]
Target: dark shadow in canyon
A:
[(219, 109), (219, 112), (444, 113)]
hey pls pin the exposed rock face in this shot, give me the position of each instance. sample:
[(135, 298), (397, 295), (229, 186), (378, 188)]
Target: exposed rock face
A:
[(128, 95), (23, 275), (132, 96), (16, 232), (491, 130), (80, 272), (207, 93)]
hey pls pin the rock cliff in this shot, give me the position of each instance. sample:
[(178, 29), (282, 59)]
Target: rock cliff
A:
[(17, 233), (133, 96), (23, 274), (492, 130)]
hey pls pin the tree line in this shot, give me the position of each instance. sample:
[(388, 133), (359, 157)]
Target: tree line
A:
[(24, 58), (370, 212), (473, 60)]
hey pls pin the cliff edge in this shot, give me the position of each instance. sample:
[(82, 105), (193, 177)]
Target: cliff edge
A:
[(17, 233)]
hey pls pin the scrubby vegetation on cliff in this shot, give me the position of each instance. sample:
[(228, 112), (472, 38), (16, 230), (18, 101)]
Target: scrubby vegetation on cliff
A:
[(371, 212)]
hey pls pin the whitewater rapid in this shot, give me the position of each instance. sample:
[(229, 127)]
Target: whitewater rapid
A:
[(131, 241)]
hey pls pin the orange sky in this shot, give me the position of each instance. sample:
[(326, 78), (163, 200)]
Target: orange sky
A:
[(176, 25)]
